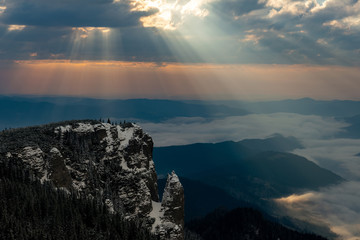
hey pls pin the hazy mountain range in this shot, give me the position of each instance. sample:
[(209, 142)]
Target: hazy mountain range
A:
[(24, 111)]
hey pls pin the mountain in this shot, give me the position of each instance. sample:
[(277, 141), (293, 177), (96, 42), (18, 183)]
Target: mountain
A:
[(32, 210), (193, 159), (304, 106), (202, 199), (242, 223), (270, 175), (26, 111), (201, 157), (276, 142), (111, 164), (247, 173)]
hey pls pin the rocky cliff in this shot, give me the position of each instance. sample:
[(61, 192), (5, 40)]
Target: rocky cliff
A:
[(110, 163)]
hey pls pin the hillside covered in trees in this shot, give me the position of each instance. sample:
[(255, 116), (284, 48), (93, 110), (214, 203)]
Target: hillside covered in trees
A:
[(31, 210), (241, 223)]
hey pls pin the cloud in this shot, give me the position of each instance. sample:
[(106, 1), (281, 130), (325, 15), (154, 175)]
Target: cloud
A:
[(84, 43), (226, 31), (171, 14), (338, 155), (288, 26), (280, 7), (235, 7), (188, 130), (316, 134), (338, 207), (80, 13)]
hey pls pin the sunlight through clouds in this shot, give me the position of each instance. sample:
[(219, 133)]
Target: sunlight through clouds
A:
[(170, 13), (16, 27), (2, 9), (337, 206)]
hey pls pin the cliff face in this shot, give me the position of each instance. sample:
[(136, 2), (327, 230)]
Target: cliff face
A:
[(110, 163)]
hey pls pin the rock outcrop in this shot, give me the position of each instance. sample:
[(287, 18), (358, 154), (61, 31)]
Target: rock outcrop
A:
[(110, 163), (172, 209)]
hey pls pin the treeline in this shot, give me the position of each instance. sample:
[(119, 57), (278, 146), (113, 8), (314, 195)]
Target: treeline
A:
[(15, 138), (31, 210), (241, 223)]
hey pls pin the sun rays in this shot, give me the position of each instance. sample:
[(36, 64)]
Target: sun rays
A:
[(169, 13)]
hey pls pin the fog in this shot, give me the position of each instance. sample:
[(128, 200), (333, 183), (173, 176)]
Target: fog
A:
[(338, 206)]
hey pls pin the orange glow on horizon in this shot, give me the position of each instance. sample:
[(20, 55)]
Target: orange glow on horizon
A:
[(119, 79)]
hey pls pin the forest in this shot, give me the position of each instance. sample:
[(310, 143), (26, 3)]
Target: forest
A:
[(31, 210)]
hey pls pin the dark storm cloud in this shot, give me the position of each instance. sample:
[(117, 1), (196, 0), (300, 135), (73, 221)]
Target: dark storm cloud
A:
[(129, 44), (234, 31), (43, 41), (94, 13), (311, 32)]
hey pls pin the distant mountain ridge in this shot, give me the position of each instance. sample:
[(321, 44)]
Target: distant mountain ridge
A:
[(21, 111), (245, 172), (18, 111), (305, 106)]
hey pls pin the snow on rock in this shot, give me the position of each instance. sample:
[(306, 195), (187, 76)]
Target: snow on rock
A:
[(84, 127), (34, 158), (55, 151), (156, 214), (63, 129), (124, 135), (110, 206), (110, 163), (171, 214)]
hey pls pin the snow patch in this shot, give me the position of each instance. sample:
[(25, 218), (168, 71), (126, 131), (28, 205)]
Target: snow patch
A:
[(124, 165), (78, 185), (125, 135), (55, 151), (110, 206), (84, 128), (109, 139), (63, 129), (157, 214), (35, 158)]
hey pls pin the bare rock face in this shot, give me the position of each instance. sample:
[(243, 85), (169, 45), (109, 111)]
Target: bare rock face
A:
[(110, 163)]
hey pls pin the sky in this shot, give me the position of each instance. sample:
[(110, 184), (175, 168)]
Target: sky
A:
[(198, 49)]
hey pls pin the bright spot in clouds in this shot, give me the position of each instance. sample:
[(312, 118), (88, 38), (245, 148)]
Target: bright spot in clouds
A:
[(84, 32), (2, 9), (16, 27), (170, 13)]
